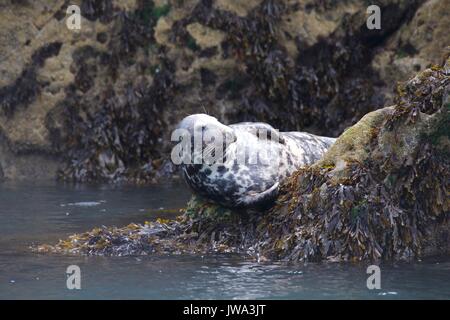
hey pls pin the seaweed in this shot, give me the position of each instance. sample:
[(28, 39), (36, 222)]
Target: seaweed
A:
[(191, 43), (97, 9), (389, 207), (132, 30), (118, 141), (26, 87), (161, 11), (108, 135), (331, 82), (379, 210)]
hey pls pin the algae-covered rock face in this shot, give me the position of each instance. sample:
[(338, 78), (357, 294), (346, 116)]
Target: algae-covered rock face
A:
[(100, 103), (380, 193)]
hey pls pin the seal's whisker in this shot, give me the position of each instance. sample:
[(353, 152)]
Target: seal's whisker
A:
[(204, 109)]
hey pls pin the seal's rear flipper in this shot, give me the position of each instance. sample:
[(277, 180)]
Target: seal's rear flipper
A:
[(260, 199)]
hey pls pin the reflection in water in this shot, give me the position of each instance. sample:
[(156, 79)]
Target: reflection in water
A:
[(46, 213)]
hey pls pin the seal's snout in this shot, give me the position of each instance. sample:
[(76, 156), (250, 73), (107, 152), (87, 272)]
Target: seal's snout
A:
[(199, 121)]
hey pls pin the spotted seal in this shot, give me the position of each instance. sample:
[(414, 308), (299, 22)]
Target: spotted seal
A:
[(236, 177)]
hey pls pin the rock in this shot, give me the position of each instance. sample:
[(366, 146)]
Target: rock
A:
[(380, 193), (388, 202), (416, 45), (26, 166), (121, 83), (353, 143), (205, 37), (241, 8)]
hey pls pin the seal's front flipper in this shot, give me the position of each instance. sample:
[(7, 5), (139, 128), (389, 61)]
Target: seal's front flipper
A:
[(261, 199)]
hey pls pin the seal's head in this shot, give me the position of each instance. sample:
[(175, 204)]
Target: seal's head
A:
[(203, 122), (207, 135)]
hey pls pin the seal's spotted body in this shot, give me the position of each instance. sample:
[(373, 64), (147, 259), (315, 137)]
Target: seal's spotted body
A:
[(237, 183)]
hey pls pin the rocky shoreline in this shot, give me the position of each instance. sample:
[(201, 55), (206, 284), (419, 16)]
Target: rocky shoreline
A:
[(99, 104), (380, 193)]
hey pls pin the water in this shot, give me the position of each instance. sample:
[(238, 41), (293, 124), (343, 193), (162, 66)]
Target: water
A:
[(45, 213)]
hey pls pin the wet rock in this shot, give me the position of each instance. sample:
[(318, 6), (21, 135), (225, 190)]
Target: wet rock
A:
[(387, 201), (205, 37), (416, 45), (241, 8), (299, 65), (379, 193)]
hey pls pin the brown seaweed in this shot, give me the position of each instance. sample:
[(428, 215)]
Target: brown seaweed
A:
[(390, 203)]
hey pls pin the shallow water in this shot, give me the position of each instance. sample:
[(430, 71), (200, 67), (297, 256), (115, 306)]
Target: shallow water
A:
[(45, 213)]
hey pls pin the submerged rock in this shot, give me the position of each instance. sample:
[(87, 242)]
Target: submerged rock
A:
[(379, 193)]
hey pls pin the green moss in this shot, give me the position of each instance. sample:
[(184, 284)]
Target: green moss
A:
[(192, 44), (146, 12), (161, 11), (443, 128), (390, 180), (149, 13), (151, 48), (401, 54), (358, 210), (233, 85), (198, 207)]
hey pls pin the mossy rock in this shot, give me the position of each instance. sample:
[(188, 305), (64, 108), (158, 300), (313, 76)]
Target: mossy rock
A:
[(366, 200), (352, 144)]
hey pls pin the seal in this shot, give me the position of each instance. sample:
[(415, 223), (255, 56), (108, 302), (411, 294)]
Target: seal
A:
[(241, 165)]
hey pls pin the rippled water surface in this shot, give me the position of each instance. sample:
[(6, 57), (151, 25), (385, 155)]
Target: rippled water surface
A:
[(45, 213)]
